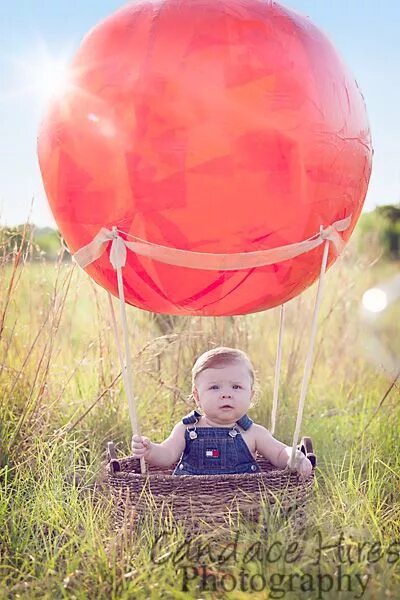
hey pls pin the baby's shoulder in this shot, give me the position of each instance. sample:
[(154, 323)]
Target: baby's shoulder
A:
[(180, 425), (257, 430), (179, 429)]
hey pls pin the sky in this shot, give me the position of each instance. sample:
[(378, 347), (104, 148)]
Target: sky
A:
[(36, 31)]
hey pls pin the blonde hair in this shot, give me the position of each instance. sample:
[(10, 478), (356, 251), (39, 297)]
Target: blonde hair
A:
[(220, 357)]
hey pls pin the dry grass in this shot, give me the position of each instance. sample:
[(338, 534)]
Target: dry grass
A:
[(61, 400)]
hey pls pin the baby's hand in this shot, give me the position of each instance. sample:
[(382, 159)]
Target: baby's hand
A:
[(302, 464), (141, 446)]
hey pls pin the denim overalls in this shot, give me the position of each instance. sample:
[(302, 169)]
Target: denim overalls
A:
[(215, 450)]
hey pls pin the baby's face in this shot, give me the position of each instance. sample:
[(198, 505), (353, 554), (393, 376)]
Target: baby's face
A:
[(224, 393)]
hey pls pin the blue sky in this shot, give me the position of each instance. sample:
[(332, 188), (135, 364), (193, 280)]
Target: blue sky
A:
[(365, 33)]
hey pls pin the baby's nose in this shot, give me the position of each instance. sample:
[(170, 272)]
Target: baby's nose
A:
[(226, 394)]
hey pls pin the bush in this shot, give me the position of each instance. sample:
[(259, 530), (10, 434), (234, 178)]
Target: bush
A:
[(381, 227), (35, 243)]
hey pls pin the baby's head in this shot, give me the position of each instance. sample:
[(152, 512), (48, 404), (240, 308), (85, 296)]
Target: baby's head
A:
[(223, 384)]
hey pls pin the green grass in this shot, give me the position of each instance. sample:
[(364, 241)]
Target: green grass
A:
[(61, 400)]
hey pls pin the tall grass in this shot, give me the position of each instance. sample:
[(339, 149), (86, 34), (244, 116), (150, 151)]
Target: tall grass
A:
[(61, 400)]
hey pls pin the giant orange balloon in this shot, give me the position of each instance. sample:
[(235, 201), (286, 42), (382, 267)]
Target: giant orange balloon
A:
[(217, 126)]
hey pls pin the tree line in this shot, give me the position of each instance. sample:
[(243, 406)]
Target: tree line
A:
[(380, 226)]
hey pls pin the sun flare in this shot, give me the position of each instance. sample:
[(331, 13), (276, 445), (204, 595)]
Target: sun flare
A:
[(43, 75), (51, 78)]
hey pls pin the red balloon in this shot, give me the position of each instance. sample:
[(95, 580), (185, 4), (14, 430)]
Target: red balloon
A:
[(213, 126)]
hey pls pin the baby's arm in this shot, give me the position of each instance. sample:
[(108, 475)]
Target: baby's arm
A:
[(278, 453), (164, 454)]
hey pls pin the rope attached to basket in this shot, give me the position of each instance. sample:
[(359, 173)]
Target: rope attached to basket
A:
[(309, 358), (118, 261), (277, 369)]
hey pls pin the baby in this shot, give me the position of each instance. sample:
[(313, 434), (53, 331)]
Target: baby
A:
[(223, 439)]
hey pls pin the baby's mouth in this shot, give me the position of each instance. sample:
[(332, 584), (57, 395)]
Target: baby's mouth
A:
[(226, 406)]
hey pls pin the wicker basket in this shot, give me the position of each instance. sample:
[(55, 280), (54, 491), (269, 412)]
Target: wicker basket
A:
[(203, 499)]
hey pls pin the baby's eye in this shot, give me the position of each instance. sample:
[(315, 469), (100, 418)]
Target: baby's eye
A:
[(214, 387), (236, 386)]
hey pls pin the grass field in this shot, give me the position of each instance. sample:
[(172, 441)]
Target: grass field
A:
[(61, 400)]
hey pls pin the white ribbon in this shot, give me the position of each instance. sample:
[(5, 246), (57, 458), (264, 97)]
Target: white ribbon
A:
[(203, 260)]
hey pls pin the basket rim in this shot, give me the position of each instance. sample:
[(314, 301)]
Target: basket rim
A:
[(264, 475), (291, 477)]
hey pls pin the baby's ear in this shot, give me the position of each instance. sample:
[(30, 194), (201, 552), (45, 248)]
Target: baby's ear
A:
[(195, 394)]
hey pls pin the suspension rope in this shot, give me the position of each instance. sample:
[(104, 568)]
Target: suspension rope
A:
[(116, 336), (277, 369), (309, 359), (118, 260)]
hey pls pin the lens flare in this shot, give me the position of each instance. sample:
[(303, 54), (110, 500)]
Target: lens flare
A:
[(375, 300)]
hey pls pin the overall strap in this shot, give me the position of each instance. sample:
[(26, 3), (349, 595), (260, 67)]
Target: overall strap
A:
[(191, 418), (245, 422)]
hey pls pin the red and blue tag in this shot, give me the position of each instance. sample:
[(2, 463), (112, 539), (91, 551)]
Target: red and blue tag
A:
[(213, 453)]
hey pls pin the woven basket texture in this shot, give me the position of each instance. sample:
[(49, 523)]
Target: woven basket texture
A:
[(203, 499)]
